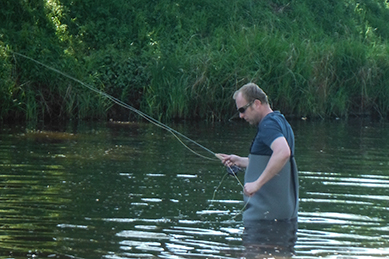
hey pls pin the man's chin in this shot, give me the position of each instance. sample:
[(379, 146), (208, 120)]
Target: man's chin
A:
[(252, 122)]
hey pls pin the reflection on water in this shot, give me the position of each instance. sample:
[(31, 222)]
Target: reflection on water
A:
[(269, 238), (133, 191)]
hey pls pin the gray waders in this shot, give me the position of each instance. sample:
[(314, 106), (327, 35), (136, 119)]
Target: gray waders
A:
[(278, 198)]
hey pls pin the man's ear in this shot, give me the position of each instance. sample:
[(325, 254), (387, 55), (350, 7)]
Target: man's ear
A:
[(257, 102)]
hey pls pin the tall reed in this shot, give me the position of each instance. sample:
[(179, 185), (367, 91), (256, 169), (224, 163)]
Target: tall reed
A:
[(185, 59)]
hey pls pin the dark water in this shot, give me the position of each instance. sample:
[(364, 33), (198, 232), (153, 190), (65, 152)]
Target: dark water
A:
[(134, 191)]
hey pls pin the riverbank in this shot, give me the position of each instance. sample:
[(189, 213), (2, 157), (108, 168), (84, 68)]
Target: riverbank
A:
[(176, 60)]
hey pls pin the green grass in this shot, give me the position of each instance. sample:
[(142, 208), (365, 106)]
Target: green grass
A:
[(184, 60)]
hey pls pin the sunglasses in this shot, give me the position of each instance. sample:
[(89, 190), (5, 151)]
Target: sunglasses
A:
[(244, 108)]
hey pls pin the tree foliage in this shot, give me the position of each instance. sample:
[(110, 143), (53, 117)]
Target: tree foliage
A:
[(184, 59)]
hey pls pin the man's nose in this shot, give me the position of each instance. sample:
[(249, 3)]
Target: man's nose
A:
[(241, 115)]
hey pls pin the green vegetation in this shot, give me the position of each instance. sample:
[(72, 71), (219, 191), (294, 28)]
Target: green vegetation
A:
[(184, 59)]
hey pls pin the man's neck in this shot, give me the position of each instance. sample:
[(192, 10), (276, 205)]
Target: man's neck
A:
[(267, 111)]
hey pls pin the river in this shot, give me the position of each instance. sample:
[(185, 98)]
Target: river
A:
[(133, 190)]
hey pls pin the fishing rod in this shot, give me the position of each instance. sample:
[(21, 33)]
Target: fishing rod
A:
[(127, 106), (230, 169)]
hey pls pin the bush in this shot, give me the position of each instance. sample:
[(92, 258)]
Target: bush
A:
[(184, 59)]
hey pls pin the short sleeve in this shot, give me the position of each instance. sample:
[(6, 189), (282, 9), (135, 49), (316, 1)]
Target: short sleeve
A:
[(268, 131)]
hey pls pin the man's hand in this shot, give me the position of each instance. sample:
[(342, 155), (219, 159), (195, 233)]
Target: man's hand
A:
[(251, 188), (230, 160)]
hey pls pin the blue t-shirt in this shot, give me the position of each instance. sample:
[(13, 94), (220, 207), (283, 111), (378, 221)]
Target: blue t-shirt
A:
[(278, 198), (273, 126)]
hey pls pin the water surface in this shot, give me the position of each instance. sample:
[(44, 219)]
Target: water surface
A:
[(132, 190)]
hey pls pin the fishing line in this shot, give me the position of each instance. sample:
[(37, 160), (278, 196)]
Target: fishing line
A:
[(124, 105), (247, 202), (217, 188), (175, 133)]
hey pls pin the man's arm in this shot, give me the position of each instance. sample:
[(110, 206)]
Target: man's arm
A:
[(281, 154), (230, 160)]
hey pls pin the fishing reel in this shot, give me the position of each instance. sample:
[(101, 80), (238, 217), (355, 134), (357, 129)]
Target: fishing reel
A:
[(233, 170)]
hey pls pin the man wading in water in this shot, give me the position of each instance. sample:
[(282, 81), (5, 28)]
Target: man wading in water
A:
[(271, 177)]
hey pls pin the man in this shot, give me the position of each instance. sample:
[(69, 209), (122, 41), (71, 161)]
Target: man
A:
[(271, 181)]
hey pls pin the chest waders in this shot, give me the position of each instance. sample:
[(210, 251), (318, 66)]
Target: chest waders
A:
[(278, 198)]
